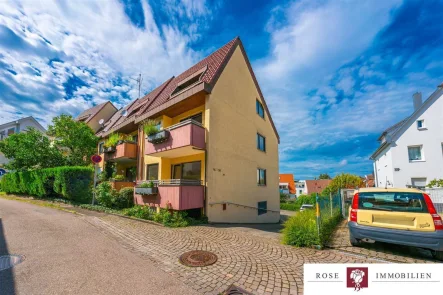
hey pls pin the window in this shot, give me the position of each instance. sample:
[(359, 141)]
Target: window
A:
[(300, 192), (392, 201), (198, 117), (191, 170), (259, 109), (421, 124), (187, 83), (415, 153), (11, 131), (2, 135), (101, 147), (152, 172), (261, 143), (262, 207), (261, 176), (418, 182)]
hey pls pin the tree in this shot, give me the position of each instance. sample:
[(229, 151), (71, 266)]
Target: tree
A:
[(30, 150), (343, 180), (76, 139), (324, 176)]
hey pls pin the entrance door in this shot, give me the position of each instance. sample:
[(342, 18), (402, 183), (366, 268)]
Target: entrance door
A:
[(177, 171)]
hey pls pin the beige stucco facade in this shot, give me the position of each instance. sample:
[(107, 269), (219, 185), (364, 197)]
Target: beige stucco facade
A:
[(105, 113), (232, 156)]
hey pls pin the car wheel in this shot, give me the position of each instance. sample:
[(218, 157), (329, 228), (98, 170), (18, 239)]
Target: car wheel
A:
[(354, 242), (438, 255)]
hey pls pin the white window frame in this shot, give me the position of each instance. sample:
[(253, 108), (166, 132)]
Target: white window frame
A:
[(423, 126), (421, 153)]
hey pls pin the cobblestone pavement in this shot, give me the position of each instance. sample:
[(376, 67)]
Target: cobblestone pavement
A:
[(258, 264), (384, 251)]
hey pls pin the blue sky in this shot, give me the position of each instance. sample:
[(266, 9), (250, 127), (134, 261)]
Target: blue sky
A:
[(335, 74)]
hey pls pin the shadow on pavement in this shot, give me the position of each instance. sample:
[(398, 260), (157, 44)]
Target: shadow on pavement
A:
[(274, 228), (7, 285)]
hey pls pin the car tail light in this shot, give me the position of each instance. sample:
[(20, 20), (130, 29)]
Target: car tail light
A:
[(354, 208), (438, 223)]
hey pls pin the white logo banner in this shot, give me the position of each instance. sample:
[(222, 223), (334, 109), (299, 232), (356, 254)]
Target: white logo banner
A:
[(377, 279)]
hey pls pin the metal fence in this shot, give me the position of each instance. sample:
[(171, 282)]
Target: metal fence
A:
[(436, 195), (329, 206)]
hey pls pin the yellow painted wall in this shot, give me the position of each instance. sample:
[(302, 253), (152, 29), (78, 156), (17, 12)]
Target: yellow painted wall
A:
[(233, 157)]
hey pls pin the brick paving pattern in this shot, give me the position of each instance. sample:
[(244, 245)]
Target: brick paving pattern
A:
[(388, 252), (258, 264)]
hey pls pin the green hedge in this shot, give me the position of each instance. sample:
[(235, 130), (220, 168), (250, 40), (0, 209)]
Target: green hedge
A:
[(72, 183)]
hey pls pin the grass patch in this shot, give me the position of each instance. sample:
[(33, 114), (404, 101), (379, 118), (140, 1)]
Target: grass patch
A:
[(290, 206)]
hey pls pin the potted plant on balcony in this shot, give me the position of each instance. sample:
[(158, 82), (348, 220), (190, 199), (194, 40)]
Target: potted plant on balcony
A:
[(153, 134), (111, 142), (146, 188)]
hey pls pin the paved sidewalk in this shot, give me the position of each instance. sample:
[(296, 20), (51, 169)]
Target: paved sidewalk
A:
[(389, 252), (258, 263)]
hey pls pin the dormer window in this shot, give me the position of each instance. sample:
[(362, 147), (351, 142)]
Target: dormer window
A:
[(189, 81), (420, 124)]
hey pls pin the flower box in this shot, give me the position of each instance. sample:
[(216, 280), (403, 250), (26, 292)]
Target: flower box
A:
[(158, 137), (146, 190), (110, 149)]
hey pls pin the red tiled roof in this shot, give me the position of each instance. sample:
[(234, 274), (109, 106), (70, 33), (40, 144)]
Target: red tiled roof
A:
[(317, 186), (212, 65)]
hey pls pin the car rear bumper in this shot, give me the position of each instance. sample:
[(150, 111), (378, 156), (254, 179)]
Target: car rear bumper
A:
[(429, 240)]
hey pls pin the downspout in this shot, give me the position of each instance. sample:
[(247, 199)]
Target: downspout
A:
[(375, 173)]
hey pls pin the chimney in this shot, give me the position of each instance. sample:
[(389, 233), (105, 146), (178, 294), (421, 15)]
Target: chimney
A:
[(416, 98)]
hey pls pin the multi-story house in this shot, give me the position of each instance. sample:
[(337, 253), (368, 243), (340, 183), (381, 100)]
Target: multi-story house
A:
[(411, 151), (216, 148), (17, 126), (287, 184), (96, 116), (300, 188), (316, 186)]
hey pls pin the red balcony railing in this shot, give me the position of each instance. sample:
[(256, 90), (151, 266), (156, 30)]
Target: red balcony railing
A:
[(188, 134), (177, 194)]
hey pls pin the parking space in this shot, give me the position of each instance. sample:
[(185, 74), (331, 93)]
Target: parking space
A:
[(382, 251)]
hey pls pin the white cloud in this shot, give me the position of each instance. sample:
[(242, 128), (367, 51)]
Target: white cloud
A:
[(93, 36)]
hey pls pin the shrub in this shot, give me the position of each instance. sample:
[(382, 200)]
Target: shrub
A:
[(150, 127), (119, 177), (112, 140), (147, 185), (142, 212), (124, 198), (72, 183), (301, 230), (105, 194), (289, 206), (283, 197)]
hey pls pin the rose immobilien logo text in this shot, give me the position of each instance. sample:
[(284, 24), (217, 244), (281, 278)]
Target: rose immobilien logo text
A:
[(357, 277)]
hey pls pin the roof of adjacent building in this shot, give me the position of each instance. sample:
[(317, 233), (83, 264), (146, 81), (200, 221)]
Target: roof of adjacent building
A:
[(208, 70), (90, 113), (21, 120), (289, 179), (317, 186), (395, 130)]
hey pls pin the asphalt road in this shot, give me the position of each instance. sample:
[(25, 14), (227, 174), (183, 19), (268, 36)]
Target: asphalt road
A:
[(64, 254)]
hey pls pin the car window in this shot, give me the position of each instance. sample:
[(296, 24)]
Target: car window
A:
[(392, 201)]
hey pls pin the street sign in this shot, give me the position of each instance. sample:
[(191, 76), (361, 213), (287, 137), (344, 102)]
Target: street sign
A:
[(96, 159)]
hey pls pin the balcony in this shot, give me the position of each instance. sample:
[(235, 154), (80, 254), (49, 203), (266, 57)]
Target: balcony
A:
[(123, 152), (180, 194), (184, 138)]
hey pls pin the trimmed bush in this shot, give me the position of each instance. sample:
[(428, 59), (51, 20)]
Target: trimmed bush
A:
[(290, 206), (142, 212), (72, 183), (124, 198)]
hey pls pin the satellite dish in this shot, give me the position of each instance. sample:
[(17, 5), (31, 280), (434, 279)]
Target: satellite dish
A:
[(101, 121), (124, 113)]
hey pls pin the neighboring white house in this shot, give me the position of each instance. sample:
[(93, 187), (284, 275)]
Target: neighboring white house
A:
[(411, 151), (17, 126), (300, 188)]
